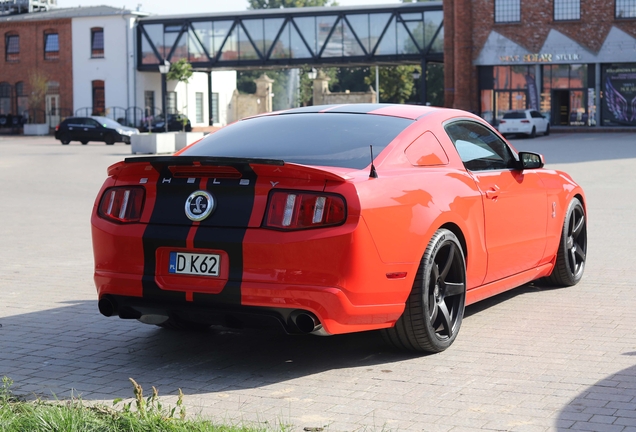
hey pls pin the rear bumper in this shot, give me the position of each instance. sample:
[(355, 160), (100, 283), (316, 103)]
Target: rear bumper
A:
[(522, 128), (330, 305)]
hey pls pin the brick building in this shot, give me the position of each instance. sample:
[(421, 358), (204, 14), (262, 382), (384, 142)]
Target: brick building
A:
[(35, 52), (574, 60)]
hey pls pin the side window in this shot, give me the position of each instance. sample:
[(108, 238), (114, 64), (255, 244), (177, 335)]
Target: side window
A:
[(478, 147), (535, 114), (92, 123)]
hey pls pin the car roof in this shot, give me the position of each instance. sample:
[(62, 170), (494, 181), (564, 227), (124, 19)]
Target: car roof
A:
[(412, 112)]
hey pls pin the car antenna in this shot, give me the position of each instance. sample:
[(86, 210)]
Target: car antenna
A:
[(373, 173)]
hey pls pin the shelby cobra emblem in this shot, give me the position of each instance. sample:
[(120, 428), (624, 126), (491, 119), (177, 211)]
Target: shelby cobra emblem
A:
[(199, 205)]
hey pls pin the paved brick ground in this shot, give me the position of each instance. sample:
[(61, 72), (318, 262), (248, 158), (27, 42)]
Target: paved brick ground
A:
[(533, 359)]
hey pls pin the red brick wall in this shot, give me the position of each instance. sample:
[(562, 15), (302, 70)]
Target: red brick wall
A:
[(467, 24), (32, 57)]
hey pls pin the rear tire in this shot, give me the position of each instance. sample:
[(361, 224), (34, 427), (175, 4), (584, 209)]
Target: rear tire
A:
[(435, 308), (533, 134), (65, 139), (570, 261)]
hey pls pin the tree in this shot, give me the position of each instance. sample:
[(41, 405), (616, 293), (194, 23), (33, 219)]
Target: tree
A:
[(277, 4), (180, 71), (38, 86), (396, 83)]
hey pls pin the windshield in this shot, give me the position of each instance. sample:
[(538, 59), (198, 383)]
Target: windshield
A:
[(106, 122), (324, 139)]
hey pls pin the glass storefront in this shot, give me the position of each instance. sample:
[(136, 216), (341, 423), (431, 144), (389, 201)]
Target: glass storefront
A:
[(507, 88), (566, 94)]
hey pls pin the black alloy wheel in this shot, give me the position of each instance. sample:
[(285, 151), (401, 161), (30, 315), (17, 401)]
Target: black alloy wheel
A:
[(570, 262), (435, 308), (65, 139), (109, 139)]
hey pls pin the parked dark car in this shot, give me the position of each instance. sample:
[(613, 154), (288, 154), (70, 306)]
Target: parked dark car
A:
[(175, 124), (85, 129)]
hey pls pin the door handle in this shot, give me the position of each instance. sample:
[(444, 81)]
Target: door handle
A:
[(493, 192)]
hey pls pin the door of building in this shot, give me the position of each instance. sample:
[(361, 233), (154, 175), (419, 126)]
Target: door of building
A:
[(561, 107), (53, 109)]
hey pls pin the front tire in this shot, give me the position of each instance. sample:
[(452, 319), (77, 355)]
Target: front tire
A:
[(435, 308), (84, 142), (547, 130), (570, 261), (109, 139)]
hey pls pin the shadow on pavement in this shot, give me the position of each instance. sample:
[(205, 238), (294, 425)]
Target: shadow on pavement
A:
[(608, 405), (74, 347)]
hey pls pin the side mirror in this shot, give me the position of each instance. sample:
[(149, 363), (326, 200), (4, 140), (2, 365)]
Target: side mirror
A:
[(528, 160)]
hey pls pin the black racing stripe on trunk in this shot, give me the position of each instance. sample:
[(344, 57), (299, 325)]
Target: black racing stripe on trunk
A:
[(234, 205), (169, 204)]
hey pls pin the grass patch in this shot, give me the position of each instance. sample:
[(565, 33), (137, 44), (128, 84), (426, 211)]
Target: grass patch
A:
[(143, 414)]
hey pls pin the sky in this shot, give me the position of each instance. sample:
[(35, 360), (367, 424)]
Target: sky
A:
[(173, 7)]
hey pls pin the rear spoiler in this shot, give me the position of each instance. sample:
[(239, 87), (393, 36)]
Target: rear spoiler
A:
[(268, 168)]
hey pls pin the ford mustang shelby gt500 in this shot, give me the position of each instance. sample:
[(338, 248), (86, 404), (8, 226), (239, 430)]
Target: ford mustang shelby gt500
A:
[(335, 219)]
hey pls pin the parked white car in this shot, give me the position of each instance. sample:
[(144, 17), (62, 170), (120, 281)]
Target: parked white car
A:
[(528, 122)]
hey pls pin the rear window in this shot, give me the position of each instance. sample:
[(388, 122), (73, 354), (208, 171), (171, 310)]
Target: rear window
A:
[(515, 115), (326, 139)]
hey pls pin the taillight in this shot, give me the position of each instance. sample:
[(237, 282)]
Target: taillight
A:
[(122, 204), (292, 210), (57, 128), (525, 121), (502, 121)]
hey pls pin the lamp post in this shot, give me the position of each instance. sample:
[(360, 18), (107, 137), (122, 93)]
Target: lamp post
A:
[(312, 74), (163, 70)]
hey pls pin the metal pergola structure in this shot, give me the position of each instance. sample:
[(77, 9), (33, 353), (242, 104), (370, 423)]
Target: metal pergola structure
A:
[(408, 33)]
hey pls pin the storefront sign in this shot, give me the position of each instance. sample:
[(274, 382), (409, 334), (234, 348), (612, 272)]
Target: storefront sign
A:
[(619, 99), (539, 58)]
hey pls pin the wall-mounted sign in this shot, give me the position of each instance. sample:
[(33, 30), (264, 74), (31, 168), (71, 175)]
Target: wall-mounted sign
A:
[(539, 58), (619, 99)]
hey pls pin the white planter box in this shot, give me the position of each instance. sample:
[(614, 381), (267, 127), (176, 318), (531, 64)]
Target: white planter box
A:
[(36, 129), (184, 139), (152, 143)]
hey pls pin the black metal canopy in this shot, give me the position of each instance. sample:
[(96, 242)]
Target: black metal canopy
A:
[(409, 33)]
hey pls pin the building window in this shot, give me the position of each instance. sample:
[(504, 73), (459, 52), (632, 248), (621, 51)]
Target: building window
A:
[(149, 103), (625, 8), (51, 46), (199, 102), (5, 98), (12, 44), (507, 11), (97, 42), (171, 102), (215, 108), (99, 98), (567, 10), (23, 101)]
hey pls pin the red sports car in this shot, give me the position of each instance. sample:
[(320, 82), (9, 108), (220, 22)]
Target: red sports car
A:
[(335, 219)]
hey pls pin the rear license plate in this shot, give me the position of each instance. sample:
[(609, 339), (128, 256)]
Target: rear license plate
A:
[(514, 129), (194, 264)]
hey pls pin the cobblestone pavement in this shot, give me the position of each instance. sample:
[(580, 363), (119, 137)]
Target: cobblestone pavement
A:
[(532, 359)]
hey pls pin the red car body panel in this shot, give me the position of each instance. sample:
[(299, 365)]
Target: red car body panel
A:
[(352, 277)]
